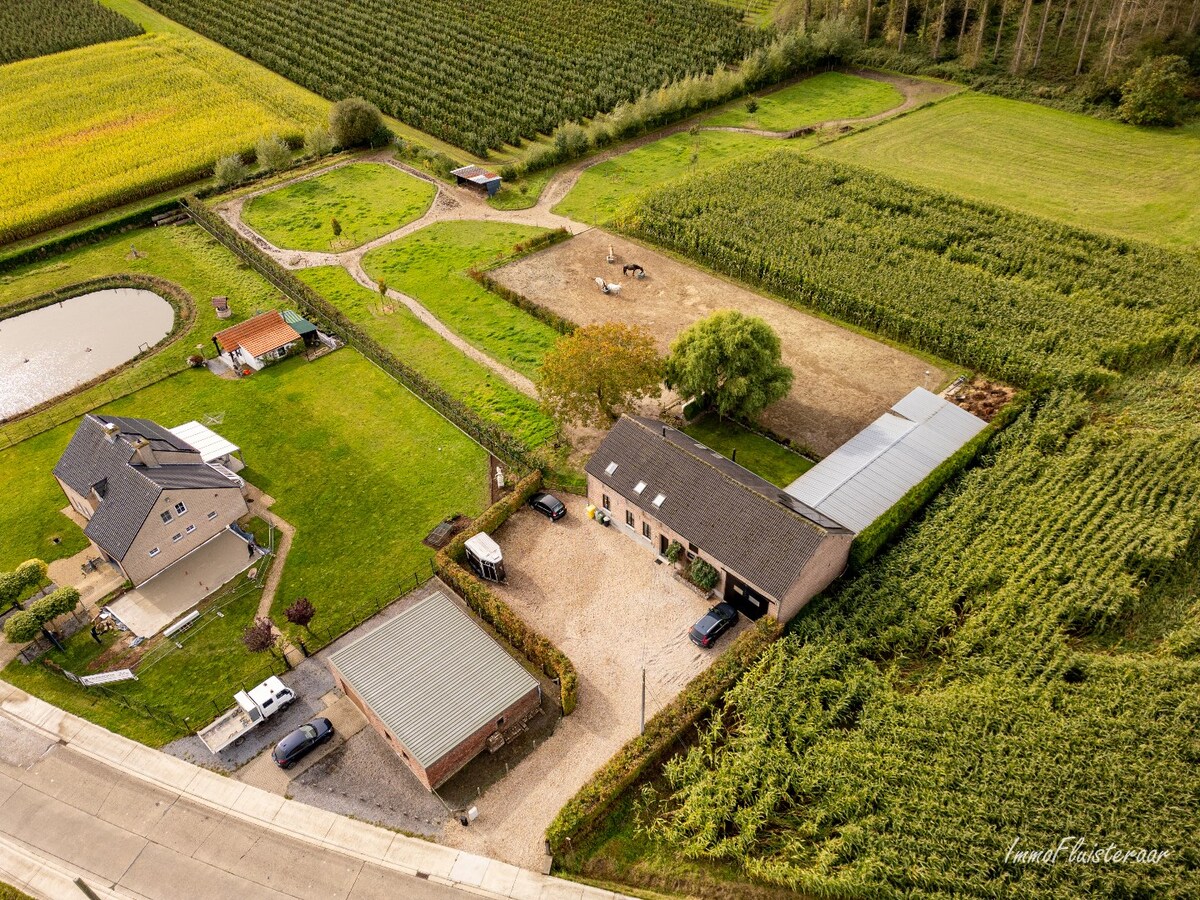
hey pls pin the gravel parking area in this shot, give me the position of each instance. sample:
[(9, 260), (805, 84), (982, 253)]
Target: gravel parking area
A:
[(601, 598), (844, 380)]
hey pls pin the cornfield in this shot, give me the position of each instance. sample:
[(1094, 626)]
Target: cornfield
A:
[(482, 74), (83, 131), (1004, 674), (1023, 666), (30, 28), (1020, 298)]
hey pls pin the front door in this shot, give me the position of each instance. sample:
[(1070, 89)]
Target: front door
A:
[(744, 598), (663, 544)]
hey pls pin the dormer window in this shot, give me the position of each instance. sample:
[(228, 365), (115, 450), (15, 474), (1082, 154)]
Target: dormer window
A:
[(639, 487), (610, 468)]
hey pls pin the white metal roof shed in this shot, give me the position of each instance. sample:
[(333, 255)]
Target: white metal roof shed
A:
[(210, 444), (867, 475), (432, 676)]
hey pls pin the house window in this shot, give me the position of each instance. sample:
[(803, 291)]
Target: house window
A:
[(154, 551), (190, 529), (629, 517), (213, 514), (639, 487), (166, 517), (658, 501), (605, 502), (177, 536), (180, 508), (646, 530), (692, 551), (610, 468), (500, 722)]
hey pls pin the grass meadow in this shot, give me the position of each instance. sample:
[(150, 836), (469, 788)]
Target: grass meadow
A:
[(1139, 183), (418, 345), (366, 199), (822, 98), (431, 264)]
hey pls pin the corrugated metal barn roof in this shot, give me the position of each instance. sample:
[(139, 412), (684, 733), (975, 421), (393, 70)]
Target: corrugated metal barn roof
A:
[(432, 676), (867, 475)]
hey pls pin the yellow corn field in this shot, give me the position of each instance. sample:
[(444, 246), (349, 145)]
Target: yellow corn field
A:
[(89, 129)]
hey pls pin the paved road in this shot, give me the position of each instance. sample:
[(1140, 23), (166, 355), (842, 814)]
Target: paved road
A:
[(124, 836)]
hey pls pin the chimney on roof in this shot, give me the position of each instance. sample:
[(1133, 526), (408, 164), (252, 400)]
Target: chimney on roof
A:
[(110, 431), (664, 431), (144, 453)]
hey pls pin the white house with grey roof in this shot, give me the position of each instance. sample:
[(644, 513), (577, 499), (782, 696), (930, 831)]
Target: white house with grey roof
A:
[(147, 495), (772, 552), (436, 686), (867, 476)]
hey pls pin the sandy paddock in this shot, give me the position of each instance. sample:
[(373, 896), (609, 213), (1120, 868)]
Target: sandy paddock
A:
[(843, 380)]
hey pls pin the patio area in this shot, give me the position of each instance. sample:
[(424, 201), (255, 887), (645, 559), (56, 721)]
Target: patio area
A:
[(168, 595)]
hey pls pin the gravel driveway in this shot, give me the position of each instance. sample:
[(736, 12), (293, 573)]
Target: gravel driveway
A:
[(602, 599)]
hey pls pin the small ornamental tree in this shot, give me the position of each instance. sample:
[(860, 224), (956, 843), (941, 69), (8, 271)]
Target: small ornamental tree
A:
[(336, 227), (592, 374), (21, 627), (24, 626), (355, 122), (318, 142), (273, 153), (674, 551), (230, 170), (1156, 93), (301, 613), (260, 636), (731, 362)]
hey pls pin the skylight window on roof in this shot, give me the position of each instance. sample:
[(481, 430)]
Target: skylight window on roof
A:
[(610, 468), (639, 487), (658, 501)]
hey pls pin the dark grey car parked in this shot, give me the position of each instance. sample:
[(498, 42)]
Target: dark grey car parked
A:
[(715, 623), (548, 505), (300, 742)]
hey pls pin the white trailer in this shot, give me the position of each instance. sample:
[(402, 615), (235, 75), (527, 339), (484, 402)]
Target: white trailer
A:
[(253, 708)]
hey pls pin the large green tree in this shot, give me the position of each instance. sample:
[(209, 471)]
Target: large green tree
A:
[(593, 374), (730, 362), (1156, 93)]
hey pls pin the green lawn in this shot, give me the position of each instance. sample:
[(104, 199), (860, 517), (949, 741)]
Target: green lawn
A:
[(30, 520), (522, 193), (601, 190), (183, 254), (361, 467), (367, 199), (760, 455), (822, 98), (1135, 182), (431, 266), (421, 347)]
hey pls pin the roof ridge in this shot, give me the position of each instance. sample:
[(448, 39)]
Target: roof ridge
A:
[(641, 423)]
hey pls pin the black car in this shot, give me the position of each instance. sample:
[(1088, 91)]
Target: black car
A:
[(715, 623), (296, 745), (549, 506)]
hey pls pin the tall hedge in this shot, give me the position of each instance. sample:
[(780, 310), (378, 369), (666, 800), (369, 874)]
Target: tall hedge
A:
[(493, 610)]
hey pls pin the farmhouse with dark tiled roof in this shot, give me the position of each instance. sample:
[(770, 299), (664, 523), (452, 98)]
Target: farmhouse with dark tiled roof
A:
[(772, 552), (148, 497)]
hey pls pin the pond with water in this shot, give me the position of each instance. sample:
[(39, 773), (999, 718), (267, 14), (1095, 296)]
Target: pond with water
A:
[(48, 351)]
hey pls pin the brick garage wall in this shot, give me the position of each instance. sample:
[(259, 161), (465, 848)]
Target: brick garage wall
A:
[(448, 765), (442, 770)]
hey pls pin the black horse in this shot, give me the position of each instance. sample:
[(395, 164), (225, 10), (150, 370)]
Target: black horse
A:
[(637, 270)]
